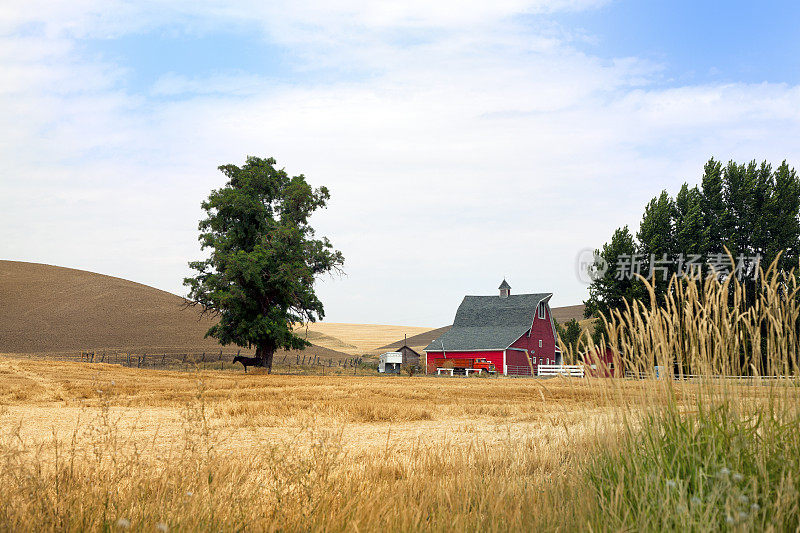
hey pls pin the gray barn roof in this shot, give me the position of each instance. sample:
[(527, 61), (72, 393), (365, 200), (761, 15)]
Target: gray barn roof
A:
[(489, 322)]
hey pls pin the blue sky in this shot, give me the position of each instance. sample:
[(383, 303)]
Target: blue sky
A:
[(699, 41), (462, 142), (692, 42)]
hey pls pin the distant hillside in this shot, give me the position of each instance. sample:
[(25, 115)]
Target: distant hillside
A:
[(49, 309), (359, 339), (417, 341), (565, 314)]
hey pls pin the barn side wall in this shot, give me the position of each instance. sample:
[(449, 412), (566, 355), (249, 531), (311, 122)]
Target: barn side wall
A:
[(495, 357), (541, 329), (517, 362)]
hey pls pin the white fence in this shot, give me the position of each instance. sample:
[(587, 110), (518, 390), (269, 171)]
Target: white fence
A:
[(576, 371)]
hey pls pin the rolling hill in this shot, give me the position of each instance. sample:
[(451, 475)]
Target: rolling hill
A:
[(49, 309)]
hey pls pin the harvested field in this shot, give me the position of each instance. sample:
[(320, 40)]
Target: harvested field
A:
[(331, 448), (359, 339), (92, 446), (51, 396)]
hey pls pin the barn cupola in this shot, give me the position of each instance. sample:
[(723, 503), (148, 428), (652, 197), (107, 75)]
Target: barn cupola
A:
[(505, 289)]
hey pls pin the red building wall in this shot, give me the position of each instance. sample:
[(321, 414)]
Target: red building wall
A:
[(542, 329), (600, 364), (495, 357)]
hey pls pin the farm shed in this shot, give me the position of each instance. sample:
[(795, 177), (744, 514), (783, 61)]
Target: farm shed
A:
[(390, 362), (515, 332), (410, 357)]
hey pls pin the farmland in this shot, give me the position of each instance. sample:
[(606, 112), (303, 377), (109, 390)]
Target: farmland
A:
[(98, 446), (54, 310), (51, 310), (334, 452)]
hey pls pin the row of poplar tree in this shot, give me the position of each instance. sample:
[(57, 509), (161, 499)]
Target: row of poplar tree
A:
[(752, 210)]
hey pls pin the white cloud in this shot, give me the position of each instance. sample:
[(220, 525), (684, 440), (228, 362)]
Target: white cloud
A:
[(465, 147)]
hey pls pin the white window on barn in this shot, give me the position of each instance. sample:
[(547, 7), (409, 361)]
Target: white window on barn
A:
[(540, 343), (541, 310)]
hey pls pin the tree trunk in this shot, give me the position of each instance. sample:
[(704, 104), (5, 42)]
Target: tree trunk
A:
[(265, 354)]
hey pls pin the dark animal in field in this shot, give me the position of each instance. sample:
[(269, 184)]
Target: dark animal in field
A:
[(247, 361)]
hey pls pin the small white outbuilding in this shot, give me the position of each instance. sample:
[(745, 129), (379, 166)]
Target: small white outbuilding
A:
[(390, 362)]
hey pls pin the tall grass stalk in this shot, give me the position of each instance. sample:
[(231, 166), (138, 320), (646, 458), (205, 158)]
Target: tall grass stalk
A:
[(715, 443)]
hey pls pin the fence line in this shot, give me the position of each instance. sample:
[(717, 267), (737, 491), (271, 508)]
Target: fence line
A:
[(518, 370), (187, 360), (577, 371), (633, 374)]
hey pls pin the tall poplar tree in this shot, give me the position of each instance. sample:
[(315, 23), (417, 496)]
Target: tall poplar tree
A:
[(691, 233), (784, 225), (713, 206), (749, 208), (656, 239)]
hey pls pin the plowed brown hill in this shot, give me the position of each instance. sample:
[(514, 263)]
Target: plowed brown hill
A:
[(49, 309), (568, 312)]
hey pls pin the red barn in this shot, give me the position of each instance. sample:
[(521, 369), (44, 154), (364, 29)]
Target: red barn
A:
[(515, 332), (599, 363)]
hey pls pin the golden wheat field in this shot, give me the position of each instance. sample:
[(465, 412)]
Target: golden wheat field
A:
[(356, 339), (91, 445)]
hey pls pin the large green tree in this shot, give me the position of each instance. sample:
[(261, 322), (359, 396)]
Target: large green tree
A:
[(259, 277)]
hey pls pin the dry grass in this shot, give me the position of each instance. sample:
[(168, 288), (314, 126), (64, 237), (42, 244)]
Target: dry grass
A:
[(89, 444)]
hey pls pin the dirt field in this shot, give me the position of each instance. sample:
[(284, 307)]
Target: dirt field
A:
[(49, 309)]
